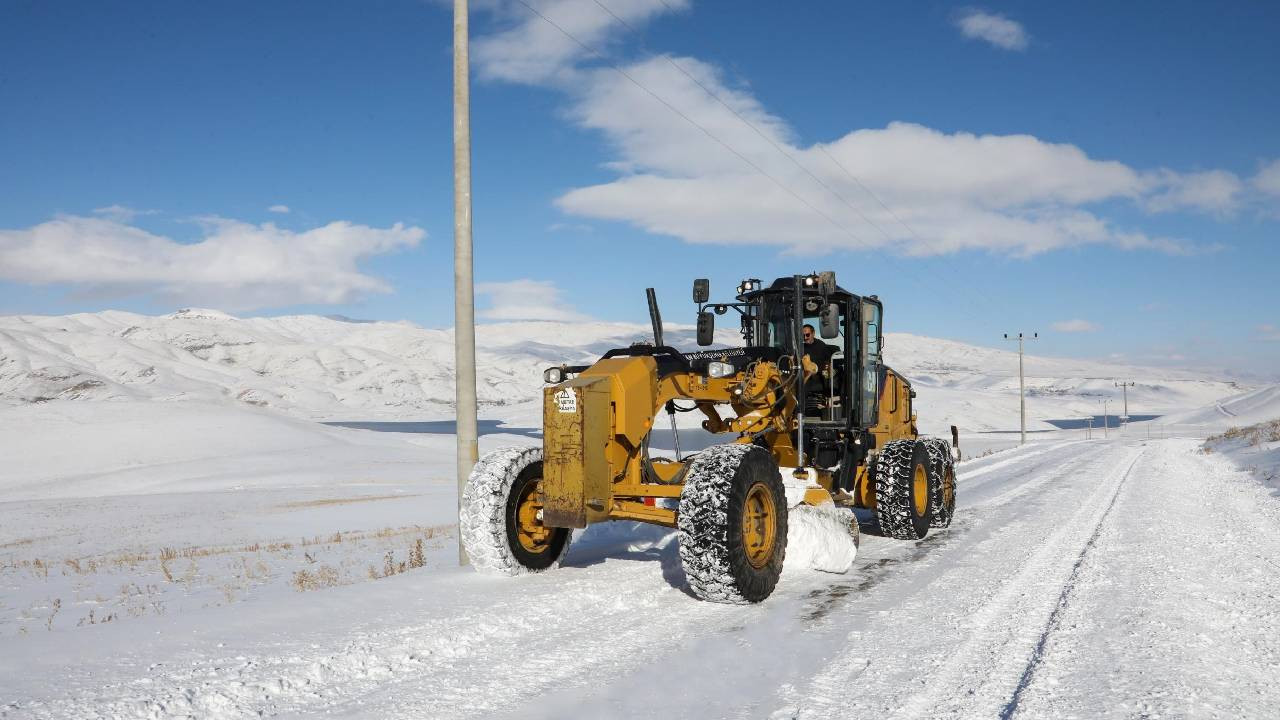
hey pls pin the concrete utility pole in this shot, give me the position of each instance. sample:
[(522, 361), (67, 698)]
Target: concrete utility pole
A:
[(1022, 385), (1125, 386), (464, 324), (1106, 419)]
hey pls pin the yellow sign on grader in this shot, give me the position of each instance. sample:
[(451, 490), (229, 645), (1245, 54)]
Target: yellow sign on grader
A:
[(807, 391)]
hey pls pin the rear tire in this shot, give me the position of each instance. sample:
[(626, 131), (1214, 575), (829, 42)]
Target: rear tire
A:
[(732, 524), (904, 490), (943, 467), (499, 523)]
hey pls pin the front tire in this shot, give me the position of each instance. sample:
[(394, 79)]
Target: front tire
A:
[(904, 490), (942, 465), (500, 522), (732, 524)]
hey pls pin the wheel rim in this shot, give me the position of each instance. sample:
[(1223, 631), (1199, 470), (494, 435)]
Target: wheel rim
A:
[(920, 489), (759, 525), (949, 490), (530, 532)]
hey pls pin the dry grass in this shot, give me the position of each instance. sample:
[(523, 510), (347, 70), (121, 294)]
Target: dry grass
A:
[(93, 619), (89, 566), (339, 501), (22, 541), (326, 560), (1253, 435), (322, 577), (54, 606)]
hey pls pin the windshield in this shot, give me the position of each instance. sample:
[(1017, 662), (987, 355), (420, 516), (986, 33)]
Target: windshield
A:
[(777, 330)]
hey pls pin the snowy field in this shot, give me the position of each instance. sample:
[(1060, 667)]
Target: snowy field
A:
[(183, 535)]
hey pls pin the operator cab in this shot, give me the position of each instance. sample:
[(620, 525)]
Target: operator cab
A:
[(845, 392)]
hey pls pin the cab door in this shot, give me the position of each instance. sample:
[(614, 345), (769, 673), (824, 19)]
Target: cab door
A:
[(869, 362)]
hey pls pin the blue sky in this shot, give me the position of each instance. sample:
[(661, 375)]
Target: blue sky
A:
[(1111, 170)]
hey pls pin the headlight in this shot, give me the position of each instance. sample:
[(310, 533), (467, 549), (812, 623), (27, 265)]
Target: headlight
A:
[(719, 369), (553, 376)]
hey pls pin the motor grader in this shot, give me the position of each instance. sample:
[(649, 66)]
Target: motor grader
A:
[(830, 428)]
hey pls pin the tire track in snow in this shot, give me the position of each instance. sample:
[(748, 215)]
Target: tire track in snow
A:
[(1195, 601), (1037, 656), (917, 639), (875, 571), (642, 631), (790, 639), (1006, 629)]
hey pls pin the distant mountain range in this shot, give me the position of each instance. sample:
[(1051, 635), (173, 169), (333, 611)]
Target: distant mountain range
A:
[(336, 368)]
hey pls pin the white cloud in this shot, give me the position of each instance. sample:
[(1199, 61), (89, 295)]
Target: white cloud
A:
[(1214, 191), (534, 51), (1075, 326), (526, 300), (1268, 178), (120, 213), (702, 174), (570, 227), (282, 209), (993, 28), (234, 265), (1269, 332)]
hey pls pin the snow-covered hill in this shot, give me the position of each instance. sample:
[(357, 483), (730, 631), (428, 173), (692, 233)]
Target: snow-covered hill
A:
[(1246, 408), (306, 365), (333, 368)]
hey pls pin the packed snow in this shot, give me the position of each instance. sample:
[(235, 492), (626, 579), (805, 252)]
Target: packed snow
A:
[(184, 533)]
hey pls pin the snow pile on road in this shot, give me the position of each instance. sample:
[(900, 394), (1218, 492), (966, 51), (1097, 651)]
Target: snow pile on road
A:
[(820, 538), (335, 368)]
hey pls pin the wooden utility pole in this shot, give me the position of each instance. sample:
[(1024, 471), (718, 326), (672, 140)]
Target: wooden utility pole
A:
[(1022, 385), (464, 324), (1126, 386)]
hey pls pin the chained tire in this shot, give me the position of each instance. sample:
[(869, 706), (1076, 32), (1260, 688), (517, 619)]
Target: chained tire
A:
[(942, 465), (500, 522), (904, 489), (732, 524)]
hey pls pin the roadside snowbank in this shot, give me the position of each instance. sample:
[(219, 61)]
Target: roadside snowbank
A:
[(1255, 448)]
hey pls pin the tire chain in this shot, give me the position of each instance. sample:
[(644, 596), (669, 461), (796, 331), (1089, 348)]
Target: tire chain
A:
[(703, 522), (942, 468), (893, 489), (482, 524)]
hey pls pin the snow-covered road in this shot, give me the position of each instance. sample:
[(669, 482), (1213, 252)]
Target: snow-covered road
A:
[(1082, 579)]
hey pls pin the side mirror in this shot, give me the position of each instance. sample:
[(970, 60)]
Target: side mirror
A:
[(829, 321), (701, 290), (706, 328)]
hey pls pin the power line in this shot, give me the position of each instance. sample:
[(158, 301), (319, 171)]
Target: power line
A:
[(764, 136), (832, 221), (695, 123), (753, 126)]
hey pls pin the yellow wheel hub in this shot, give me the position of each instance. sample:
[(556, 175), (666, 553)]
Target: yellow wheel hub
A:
[(949, 489), (532, 534), (759, 525), (920, 489)]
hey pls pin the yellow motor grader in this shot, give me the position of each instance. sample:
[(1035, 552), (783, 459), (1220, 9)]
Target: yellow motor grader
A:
[(829, 419)]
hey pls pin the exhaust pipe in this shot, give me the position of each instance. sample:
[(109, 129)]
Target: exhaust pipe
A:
[(655, 317)]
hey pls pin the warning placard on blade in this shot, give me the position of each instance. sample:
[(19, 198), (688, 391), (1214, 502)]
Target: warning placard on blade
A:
[(567, 401)]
